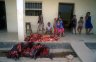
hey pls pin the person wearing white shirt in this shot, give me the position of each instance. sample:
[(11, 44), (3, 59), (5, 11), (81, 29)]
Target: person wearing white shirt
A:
[(49, 28)]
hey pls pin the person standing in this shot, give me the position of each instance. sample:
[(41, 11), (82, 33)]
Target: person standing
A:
[(61, 27), (74, 23), (55, 27), (88, 24), (80, 25), (40, 24)]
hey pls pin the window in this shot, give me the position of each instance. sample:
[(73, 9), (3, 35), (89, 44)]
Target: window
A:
[(33, 8)]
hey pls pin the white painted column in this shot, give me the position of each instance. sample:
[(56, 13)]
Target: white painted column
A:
[(20, 18)]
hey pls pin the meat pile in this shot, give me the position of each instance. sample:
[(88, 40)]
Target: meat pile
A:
[(41, 38), (28, 50)]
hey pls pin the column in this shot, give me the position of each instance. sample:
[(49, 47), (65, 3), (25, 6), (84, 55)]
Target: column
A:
[(20, 19)]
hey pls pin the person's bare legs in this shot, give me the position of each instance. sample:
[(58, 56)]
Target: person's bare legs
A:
[(78, 29), (87, 31), (62, 34), (90, 29), (55, 33), (74, 30), (39, 28), (51, 32), (43, 30)]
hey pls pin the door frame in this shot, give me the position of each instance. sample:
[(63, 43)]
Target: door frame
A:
[(67, 4), (72, 13), (5, 14)]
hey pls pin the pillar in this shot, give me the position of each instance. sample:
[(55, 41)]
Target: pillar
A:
[(20, 19)]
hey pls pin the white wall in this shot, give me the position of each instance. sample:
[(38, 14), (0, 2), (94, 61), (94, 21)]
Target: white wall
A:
[(50, 11), (11, 14)]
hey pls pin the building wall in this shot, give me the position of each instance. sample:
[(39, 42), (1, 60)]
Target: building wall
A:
[(50, 11), (11, 14)]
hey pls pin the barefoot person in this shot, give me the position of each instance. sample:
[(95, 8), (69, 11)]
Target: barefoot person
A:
[(80, 25), (88, 24), (60, 29), (55, 27), (49, 28), (74, 23), (40, 24)]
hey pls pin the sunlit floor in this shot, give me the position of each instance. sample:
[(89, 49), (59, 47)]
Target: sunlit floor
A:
[(68, 37)]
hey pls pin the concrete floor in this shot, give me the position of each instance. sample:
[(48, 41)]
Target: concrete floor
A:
[(79, 38), (8, 37), (68, 38)]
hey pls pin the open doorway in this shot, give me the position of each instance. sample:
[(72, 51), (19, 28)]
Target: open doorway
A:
[(66, 12), (3, 25)]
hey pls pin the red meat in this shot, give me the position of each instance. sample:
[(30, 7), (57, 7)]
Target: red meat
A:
[(41, 38)]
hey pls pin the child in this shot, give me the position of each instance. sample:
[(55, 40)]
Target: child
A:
[(80, 25), (49, 28), (54, 25), (74, 23), (60, 29)]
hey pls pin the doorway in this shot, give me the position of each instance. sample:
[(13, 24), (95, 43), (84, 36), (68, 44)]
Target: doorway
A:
[(66, 11), (3, 24)]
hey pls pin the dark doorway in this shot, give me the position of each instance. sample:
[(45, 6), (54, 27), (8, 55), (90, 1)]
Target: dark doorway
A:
[(66, 13), (3, 25)]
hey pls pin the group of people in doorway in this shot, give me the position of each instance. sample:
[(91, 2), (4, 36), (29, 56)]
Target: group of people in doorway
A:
[(58, 25)]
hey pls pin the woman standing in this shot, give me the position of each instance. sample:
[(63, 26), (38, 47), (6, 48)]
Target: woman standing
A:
[(40, 24), (88, 24)]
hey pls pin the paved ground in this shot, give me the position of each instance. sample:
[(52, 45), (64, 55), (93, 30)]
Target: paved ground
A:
[(13, 37), (79, 38), (3, 59), (8, 37)]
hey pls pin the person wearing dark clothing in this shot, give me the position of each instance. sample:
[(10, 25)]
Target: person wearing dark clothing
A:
[(74, 23)]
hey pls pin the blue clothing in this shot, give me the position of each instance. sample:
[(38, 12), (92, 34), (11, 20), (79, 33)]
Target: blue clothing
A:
[(57, 25), (61, 24), (88, 23)]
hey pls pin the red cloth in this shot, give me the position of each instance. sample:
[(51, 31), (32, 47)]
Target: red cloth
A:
[(41, 38), (60, 30), (55, 31), (19, 51)]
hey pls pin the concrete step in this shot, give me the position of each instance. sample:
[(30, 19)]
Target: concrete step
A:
[(4, 59)]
